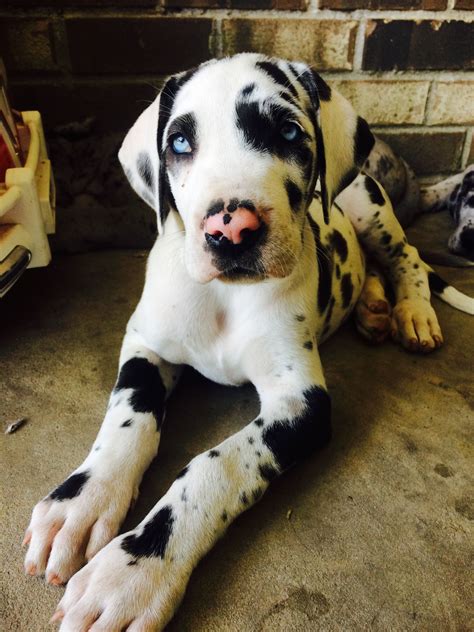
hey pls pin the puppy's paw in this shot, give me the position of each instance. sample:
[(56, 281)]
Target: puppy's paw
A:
[(73, 522), (373, 320), (415, 326), (118, 590)]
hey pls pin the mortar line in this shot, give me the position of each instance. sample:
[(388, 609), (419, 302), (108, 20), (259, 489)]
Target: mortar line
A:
[(359, 44), (467, 147)]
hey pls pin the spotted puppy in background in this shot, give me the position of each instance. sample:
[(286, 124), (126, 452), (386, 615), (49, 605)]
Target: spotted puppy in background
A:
[(455, 194), (251, 271)]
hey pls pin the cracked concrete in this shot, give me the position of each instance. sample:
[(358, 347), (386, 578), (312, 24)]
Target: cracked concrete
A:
[(373, 533)]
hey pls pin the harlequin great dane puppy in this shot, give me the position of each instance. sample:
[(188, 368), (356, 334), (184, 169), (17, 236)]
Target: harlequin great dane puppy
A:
[(249, 274)]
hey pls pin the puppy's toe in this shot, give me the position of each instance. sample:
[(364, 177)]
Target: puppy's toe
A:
[(374, 326)]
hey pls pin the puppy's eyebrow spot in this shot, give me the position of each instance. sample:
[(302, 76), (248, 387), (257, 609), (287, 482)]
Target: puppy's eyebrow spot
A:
[(278, 76), (247, 90)]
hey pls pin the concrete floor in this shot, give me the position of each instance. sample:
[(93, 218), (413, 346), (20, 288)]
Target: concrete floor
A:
[(380, 534)]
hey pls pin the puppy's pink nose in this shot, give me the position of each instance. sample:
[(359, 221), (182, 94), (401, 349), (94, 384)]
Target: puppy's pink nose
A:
[(234, 226)]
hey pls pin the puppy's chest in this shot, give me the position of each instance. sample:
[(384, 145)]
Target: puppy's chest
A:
[(198, 332)]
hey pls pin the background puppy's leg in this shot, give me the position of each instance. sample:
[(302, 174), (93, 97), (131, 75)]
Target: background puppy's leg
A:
[(140, 577), (414, 322), (82, 514)]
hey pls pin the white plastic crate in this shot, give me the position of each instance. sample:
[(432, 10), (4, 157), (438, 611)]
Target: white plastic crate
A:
[(27, 210)]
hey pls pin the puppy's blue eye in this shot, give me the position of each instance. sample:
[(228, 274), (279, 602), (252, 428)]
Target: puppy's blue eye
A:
[(180, 144), (291, 131)]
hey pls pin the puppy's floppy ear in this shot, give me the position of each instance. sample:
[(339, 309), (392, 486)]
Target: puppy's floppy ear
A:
[(142, 150), (343, 139)]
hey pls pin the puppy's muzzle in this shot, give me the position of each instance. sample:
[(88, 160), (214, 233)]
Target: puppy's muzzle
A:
[(234, 230)]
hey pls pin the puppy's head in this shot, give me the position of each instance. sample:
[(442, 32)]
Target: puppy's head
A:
[(461, 207), (236, 147)]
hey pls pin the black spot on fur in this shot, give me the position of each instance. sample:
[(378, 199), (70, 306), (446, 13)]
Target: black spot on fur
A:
[(145, 171), (347, 289), (300, 318), (244, 499), (385, 239), (247, 90), (278, 75), (267, 472), (363, 142), (132, 562), (216, 207), (259, 422), (346, 180), (153, 540), (327, 318), (324, 268), (261, 131), (293, 439), (71, 487), (397, 251), (257, 494), (436, 283), (338, 271), (251, 440), (308, 345), (148, 389), (212, 454), (339, 244), (294, 195), (227, 218), (233, 205), (224, 516), (127, 423), (323, 90), (183, 472), (374, 192)]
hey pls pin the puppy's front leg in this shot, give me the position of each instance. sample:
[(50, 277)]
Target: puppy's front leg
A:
[(137, 581), (84, 513)]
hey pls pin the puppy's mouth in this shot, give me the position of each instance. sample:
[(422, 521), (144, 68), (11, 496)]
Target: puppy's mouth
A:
[(238, 273)]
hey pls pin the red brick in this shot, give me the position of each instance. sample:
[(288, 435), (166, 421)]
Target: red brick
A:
[(27, 45), (75, 4), (282, 5), (328, 44), (152, 45), (464, 4), (113, 105), (429, 5), (427, 44), (427, 153)]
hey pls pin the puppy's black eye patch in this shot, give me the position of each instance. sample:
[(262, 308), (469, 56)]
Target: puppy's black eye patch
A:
[(261, 126)]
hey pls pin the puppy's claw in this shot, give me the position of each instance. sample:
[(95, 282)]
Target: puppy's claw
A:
[(55, 580), (57, 616)]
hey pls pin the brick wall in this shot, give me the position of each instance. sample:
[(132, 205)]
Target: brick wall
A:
[(406, 65)]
